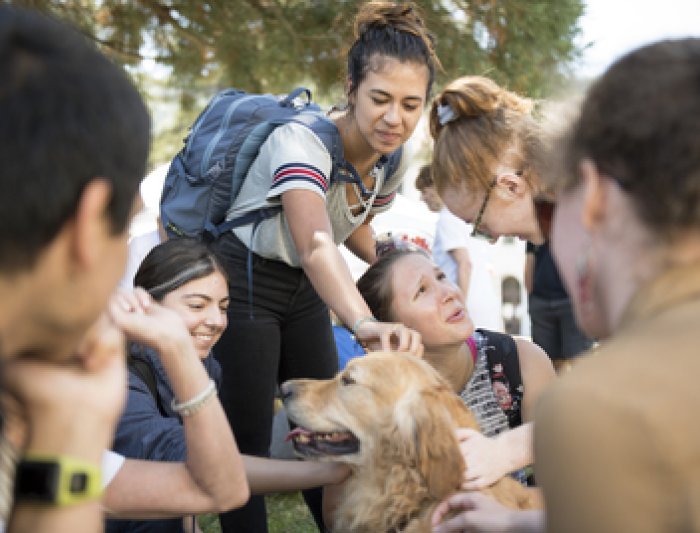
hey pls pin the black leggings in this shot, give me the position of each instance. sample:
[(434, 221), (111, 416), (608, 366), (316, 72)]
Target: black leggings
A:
[(284, 333)]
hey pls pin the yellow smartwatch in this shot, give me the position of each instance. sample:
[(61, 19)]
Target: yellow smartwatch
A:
[(56, 480)]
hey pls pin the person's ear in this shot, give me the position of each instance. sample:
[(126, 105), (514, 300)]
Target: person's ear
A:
[(92, 224), (511, 186), (594, 204), (350, 92)]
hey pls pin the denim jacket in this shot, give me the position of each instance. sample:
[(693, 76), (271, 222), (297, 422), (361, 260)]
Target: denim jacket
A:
[(144, 433)]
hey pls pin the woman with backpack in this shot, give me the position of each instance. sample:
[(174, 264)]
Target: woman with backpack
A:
[(286, 271), (172, 408)]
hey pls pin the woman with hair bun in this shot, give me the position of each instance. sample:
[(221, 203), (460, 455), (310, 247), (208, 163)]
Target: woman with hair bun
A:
[(286, 272), (488, 167), (486, 144)]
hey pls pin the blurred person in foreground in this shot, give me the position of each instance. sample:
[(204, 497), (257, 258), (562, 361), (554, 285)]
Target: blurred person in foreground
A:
[(74, 140), (464, 259), (614, 450)]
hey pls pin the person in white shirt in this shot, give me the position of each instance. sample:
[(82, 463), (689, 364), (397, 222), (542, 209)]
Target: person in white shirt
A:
[(464, 259)]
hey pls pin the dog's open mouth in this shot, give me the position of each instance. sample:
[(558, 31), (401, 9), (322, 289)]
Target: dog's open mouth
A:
[(313, 444)]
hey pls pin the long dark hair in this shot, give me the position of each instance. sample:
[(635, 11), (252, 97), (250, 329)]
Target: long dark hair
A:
[(173, 263)]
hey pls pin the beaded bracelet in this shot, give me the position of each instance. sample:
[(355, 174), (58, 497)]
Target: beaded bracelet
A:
[(361, 321), (193, 405)]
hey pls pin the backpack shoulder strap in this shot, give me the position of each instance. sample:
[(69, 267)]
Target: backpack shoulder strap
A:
[(393, 162), (144, 370), (505, 352), (502, 357), (326, 130)]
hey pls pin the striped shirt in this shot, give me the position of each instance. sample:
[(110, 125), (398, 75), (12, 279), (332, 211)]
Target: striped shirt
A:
[(293, 157)]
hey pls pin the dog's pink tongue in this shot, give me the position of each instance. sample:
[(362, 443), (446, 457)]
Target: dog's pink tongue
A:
[(297, 431)]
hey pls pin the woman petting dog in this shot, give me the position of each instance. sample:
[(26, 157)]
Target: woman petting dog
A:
[(498, 377), (177, 313), (287, 272)]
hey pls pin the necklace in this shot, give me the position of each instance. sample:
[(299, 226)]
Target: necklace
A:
[(361, 204)]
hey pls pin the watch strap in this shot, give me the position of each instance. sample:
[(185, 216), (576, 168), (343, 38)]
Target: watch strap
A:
[(57, 479)]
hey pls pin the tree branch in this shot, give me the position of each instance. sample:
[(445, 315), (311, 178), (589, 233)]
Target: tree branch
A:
[(163, 14)]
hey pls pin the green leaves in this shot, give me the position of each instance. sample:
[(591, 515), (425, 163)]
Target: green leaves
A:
[(270, 45)]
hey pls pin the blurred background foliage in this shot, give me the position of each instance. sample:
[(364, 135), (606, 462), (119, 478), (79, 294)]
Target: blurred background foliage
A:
[(181, 51)]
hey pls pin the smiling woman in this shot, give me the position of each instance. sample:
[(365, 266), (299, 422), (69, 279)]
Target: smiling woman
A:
[(172, 378)]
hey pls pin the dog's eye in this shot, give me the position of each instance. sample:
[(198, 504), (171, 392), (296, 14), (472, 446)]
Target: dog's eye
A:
[(347, 380)]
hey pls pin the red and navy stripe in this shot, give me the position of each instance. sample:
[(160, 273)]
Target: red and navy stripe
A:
[(300, 172), (384, 199)]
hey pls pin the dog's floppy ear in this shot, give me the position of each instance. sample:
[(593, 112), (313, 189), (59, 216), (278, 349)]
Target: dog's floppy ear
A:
[(428, 431)]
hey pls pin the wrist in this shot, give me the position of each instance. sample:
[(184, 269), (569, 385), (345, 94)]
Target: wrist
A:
[(54, 479), (360, 321), (81, 435)]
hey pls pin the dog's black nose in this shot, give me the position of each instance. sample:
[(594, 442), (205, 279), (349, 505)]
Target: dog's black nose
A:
[(286, 390)]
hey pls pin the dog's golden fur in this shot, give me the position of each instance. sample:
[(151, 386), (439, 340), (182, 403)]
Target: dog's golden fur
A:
[(403, 415)]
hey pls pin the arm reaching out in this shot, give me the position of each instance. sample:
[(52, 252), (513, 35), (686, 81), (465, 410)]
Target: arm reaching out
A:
[(489, 459), (212, 478), (475, 512), (329, 274)]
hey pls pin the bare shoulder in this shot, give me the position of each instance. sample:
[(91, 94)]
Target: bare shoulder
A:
[(532, 357)]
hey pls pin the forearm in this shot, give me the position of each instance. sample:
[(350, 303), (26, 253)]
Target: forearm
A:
[(531, 521), (517, 446), (81, 518), (332, 280), (361, 243), (213, 459), (464, 269), (71, 414), (275, 475), (69, 440), (464, 275)]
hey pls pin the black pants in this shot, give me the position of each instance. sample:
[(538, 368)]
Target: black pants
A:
[(554, 328), (284, 333)]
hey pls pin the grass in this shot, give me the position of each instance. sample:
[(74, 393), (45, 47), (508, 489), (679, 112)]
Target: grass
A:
[(287, 513)]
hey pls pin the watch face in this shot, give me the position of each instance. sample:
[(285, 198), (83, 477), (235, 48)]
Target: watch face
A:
[(37, 481), (78, 483)]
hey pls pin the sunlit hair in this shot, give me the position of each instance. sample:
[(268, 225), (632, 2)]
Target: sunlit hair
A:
[(639, 125), (173, 263), (473, 122), (390, 29)]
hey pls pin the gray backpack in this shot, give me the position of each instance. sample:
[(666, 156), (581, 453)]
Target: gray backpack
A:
[(206, 175)]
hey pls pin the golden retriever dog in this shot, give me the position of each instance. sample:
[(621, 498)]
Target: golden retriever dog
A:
[(392, 418)]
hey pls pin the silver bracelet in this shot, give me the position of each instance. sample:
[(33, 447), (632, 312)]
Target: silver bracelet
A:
[(193, 405), (361, 321)]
